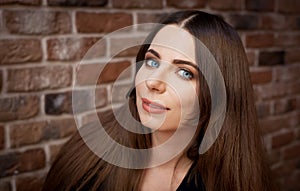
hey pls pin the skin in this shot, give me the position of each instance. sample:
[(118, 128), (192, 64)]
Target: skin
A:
[(169, 71), (166, 89)]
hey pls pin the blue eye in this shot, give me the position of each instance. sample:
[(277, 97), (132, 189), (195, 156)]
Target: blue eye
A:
[(152, 63), (185, 74)]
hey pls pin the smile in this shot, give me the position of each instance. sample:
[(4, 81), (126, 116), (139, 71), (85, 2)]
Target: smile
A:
[(153, 107)]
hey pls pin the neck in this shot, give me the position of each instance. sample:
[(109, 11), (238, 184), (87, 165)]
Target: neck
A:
[(160, 137), (169, 147)]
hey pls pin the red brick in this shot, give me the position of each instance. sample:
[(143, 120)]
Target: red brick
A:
[(29, 183), (261, 76), (291, 152), (260, 5), (287, 40), (294, 88), (280, 22), (259, 40), (297, 22), (95, 116), (287, 73), (119, 93), (282, 139), (88, 74), (31, 160), (127, 52), (291, 182), (292, 56), (75, 102), (39, 78), (132, 4), (274, 90), (298, 103), (36, 132), (189, 4), (263, 109), (3, 29), (125, 46), (273, 21), (1, 81), (8, 164), (14, 51), (288, 6), (60, 128), (269, 125), (251, 57), (37, 22), (58, 103), (274, 156), (54, 150), (21, 107), (101, 99), (271, 58), (97, 98), (284, 105), (25, 134), (89, 117), (21, 2), (292, 21), (81, 3), (149, 18), (73, 48), (5, 186), (275, 123), (18, 162), (2, 137), (285, 169), (106, 22), (114, 70), (243, 21), (226, 4), (256, 93)]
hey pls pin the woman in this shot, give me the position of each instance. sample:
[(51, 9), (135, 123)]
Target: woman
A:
[(172, 92)]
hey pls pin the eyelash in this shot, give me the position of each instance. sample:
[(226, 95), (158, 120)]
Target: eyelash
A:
[(150, 65), (191, 75)]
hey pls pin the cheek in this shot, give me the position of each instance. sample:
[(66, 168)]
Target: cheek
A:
[(187, 99), (185, 91), (137, 79), (141, 75)]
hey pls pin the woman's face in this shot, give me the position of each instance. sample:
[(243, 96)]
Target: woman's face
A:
[(166, 83)]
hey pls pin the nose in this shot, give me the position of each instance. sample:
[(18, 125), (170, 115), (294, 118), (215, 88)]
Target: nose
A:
[(155, 85)]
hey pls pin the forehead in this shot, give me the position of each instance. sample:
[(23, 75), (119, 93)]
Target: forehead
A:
[(175, 39)]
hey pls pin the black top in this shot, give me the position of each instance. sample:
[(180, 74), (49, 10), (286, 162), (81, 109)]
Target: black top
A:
[(191, 182)]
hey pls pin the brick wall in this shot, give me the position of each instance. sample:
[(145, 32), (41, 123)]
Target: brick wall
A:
[(41, 41)]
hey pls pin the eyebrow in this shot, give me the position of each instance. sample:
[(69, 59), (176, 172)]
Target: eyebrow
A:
[(176, 61), (154, 52)]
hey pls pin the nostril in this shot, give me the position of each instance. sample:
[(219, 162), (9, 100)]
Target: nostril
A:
[(155, 89), (155, 85)]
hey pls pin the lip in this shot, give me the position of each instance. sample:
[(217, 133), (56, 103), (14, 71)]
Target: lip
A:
[(153, 107)]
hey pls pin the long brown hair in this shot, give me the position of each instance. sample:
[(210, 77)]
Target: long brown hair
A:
[(235, 161)]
